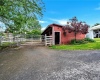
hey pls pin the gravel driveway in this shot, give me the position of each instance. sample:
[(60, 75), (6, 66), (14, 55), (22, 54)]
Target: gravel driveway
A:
[(33, 62)]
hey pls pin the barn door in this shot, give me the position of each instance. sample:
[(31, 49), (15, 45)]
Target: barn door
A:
[(57, 37)]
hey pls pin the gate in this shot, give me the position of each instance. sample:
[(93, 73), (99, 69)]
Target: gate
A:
[(48, 40), (34, 38), (43, 39), (37, 39)]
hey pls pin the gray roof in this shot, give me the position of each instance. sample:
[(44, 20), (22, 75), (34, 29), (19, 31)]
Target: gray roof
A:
[(95, 27)]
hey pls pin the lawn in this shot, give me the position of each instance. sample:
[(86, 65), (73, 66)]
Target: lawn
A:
[(97, 39), (87, 46)]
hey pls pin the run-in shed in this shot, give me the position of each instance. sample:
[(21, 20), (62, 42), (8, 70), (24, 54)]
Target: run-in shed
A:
[(59, 36)]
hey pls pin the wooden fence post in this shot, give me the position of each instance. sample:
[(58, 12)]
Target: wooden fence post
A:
[(45, 41)]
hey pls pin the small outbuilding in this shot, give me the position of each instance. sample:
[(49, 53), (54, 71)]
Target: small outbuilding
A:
[(60, 36), (94, 32)]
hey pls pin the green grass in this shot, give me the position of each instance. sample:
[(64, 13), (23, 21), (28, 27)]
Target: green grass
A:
[(97, 39), (6, 44), (87, 46), (9, 44)]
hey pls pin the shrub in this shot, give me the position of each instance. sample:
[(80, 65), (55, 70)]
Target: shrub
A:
[(73, 41), (8, 44), (86, 40), (80, 41), (89, 40)]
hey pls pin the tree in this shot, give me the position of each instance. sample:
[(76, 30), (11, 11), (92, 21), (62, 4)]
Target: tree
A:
[(96, 24), (33, 33), (76, 27), (20, 13), (28, 27)]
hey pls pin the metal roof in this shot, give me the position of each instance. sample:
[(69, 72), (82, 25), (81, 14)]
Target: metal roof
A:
[(95, 27), (51, 26)]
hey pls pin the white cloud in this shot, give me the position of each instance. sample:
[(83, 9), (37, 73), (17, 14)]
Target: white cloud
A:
[(98, 8), (43, 28), (42, 22), (60, 21)]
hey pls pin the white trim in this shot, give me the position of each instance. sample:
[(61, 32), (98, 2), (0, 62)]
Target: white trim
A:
[(46, 28), (53, 40), (60, 37), (95, 27)]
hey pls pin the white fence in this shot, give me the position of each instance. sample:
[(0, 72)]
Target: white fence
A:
[(16, 39), (19, 38), (34, 38), (11, 40), (48, 40)]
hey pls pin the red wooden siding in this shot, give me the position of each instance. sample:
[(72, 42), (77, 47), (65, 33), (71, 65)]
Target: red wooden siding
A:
[(69, 36), (51, 29)]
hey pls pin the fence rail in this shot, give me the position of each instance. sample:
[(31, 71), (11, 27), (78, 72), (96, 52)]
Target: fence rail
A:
[(16, 40), (48, 40)]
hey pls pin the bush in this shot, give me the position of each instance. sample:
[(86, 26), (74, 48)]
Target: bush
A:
[(80, 41), (86, 40), (8, 44), (73, 41), (89, 40)]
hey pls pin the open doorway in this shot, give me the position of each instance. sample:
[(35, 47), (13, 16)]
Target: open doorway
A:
[(57, 37)]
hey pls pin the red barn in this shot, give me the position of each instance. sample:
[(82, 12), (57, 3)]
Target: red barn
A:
[(59, 36)]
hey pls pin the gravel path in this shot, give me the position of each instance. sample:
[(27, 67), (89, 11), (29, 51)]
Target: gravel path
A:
[(33, 62)]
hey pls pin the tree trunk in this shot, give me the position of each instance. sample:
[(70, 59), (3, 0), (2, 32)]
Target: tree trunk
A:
[(75, 37)]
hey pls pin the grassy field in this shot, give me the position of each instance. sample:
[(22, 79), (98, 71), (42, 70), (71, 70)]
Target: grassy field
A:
[(97, 39), (87, 46)]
